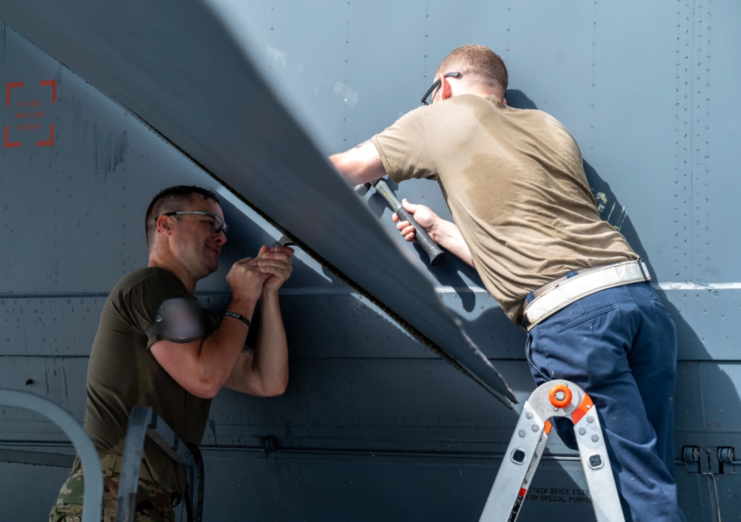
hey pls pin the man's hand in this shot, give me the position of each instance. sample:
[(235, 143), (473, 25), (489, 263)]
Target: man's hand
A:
[(425, 217), (444, 233), (246, 280), (275, 263), (264, 371)]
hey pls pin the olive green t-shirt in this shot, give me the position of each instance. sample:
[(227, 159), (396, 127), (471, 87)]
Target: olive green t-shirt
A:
[(123, 373), (515, 185)]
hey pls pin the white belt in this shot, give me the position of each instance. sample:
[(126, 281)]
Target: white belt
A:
[(565, 291)]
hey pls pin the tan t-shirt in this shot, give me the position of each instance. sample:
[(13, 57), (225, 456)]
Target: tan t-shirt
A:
[(515, 185), (123, 373)]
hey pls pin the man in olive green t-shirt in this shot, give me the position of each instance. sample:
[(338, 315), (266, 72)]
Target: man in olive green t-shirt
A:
[(525, 218), (155, 347)]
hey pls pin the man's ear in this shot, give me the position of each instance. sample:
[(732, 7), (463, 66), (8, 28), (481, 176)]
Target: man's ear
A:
[(164, 225), (504, 100), (446, 91)]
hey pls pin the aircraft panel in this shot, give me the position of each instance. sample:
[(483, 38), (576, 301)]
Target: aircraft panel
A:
[(716, 104), (244, 144), (361, 387)]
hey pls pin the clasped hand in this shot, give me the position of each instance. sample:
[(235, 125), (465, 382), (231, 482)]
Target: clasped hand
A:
[(250, 277)]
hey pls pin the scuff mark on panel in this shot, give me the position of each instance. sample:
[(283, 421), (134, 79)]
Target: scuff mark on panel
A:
[(110, 151), (277, 55), (79, 125), (349, 95)]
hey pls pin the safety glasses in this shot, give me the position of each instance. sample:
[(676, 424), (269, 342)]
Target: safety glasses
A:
[(436, 85), (217, 224)]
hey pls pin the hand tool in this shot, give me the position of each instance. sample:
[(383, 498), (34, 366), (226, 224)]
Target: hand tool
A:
[(423, 239)]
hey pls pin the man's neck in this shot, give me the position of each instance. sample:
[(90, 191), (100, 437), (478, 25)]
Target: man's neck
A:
[(487, 94), (177, 268)]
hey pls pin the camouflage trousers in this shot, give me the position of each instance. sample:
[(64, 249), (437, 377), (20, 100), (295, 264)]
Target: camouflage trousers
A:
[(152, 503)]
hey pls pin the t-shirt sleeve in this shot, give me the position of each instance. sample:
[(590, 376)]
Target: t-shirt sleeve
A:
[(143, 301), (404, 147)]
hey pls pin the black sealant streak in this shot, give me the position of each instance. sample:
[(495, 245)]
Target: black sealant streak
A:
[(66, 390), (110, 150)]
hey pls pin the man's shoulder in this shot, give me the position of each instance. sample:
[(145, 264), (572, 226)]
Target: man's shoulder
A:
[(148, 278)]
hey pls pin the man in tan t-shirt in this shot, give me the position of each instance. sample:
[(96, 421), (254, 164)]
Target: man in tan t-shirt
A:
[(155, 347), (525, 218)]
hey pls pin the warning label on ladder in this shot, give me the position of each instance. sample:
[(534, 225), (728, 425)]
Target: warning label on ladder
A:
[(560, 495)]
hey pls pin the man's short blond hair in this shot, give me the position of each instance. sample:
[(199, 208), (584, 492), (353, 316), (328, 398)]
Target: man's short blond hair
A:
[(477, 64)]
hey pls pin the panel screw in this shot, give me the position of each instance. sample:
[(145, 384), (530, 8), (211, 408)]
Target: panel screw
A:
[(269, 443)]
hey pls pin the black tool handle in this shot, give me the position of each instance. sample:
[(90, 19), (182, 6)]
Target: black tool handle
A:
[(423, 239)]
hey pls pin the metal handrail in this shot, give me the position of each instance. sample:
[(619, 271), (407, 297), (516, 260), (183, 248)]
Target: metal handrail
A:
[(142, 422), (93, 500)]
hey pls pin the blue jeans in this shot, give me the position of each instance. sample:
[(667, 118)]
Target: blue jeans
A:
[(620, 346)]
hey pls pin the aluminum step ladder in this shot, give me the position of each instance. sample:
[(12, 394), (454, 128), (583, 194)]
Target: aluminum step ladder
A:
[(557, 398)]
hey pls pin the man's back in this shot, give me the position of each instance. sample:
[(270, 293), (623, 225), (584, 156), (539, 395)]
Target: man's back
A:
[(515, 184)]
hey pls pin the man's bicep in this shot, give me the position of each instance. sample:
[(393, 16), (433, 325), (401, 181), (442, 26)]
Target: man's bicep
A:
[(180, 361)]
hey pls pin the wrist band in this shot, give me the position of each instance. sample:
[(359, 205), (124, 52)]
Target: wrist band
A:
[(238, 316)]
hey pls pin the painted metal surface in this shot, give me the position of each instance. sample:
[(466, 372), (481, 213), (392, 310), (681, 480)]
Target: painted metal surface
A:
[(93, 496), (183, 76), (373, 425)]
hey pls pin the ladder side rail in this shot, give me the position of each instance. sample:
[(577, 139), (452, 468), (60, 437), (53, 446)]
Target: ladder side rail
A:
[(145, 422), (518, 467), (196, 485), (597, 469), (186, 455), (93, 500), (165, 437), (557, 398), (131, 461)]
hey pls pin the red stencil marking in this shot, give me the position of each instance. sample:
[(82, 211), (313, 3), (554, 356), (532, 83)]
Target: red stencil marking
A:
[(10, 86), (9, 144), (23, 115), (51, 139), (53, 84)]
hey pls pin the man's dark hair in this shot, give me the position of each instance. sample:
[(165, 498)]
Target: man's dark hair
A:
[(479, 62), (172, 199)]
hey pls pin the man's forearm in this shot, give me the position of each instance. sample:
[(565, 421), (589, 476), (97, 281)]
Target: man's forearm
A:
[(448, 235), (221, 350), (270, 362)]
